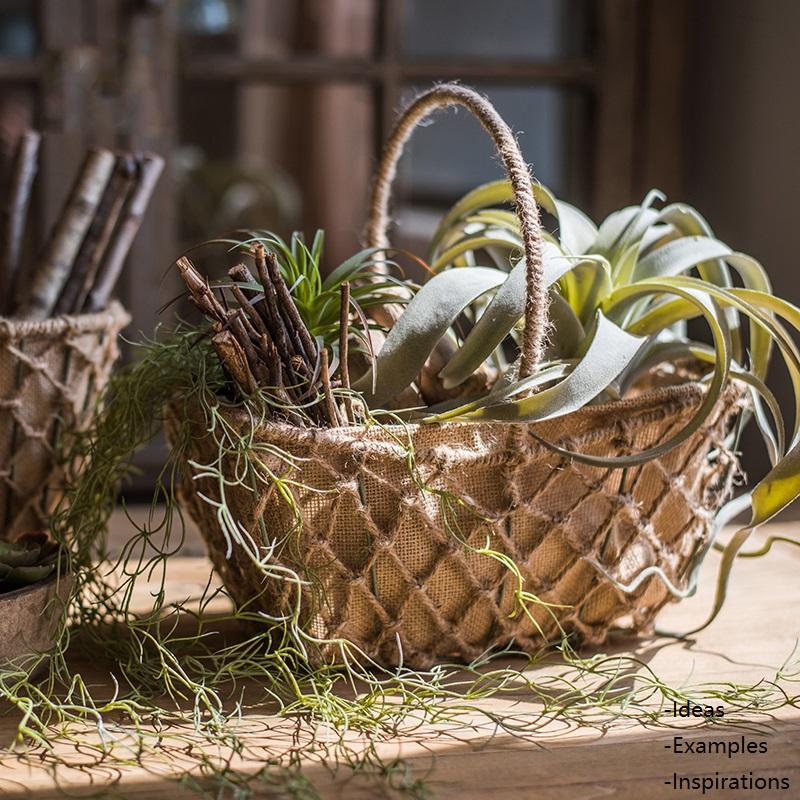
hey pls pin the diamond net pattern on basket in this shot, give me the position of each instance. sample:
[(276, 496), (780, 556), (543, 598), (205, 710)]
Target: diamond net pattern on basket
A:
[(395, 547), (50, 375)]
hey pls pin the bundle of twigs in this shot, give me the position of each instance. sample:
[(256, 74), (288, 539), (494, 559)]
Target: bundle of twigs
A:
[(87, 247), (264, 344)]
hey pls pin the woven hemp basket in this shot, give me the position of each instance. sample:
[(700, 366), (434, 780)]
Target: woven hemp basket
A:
[(51, 373), (395, 569)]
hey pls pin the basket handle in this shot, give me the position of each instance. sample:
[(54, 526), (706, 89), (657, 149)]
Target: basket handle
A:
[(450, 94)]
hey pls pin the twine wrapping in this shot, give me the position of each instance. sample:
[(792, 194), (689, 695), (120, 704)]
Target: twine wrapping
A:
[(51, 372)]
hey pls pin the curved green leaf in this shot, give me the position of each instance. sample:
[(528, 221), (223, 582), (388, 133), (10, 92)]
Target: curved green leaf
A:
[(492, 238), (678, 256), (349, 268), (501, 315), (775, 492), (425, 320), (610, 351), (721, 336)]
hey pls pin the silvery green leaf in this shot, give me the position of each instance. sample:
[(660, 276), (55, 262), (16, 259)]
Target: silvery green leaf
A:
[(610, 351), (502, 314), (576, 232), (423, 322), (678, 256), (567, 331)]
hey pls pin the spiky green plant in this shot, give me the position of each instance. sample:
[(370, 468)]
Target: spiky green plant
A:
[(30, 558), (317, 298)]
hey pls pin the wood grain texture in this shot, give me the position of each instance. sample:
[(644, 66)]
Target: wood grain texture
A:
[(753, 636)]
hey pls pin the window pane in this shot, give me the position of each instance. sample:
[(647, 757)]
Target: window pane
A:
[(209, 17), (17, 29), (454, 154), (248, 158), (266, 152), (277, 28), (502, 29)]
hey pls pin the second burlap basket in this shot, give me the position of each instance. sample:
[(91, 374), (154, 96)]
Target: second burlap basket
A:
[(422, 543), (51, 373)]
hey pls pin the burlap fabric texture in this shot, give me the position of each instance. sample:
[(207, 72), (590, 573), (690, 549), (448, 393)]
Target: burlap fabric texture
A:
[(51, 373), (395, 549), (403, 535)]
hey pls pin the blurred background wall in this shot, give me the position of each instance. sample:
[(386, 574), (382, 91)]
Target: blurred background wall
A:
[(742, 143), (271, 112)]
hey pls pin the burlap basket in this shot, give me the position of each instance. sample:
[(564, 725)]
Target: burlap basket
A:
[(51, 373), (400, 532)]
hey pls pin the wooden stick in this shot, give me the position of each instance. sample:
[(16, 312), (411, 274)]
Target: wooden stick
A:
[(330, 406), (202, 296), (37, 300), (150, 167), (15, 213), (94, 247), (234, 359), (241, 273), (292, 315), (277, 324), (344, 369), (257, 368), (272, 361), (271, 281), (252, 331), (244, 301)]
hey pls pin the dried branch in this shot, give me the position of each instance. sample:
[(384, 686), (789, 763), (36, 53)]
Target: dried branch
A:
[(287, 346), (149, 171), (234, 360), (260, 346), (249, 309), (38, 300), (286, 303), (199, 292), (15, 213), (93, 250), (241, 273), (330, 405), (257, 368)]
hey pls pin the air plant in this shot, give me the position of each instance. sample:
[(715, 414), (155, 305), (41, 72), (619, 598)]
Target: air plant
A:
[(30, 558), (620, 296)]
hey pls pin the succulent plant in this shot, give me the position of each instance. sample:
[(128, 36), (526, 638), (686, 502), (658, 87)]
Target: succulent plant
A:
[(31, 558)]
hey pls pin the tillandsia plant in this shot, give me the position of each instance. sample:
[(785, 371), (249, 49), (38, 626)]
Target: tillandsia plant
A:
[(620, 298), (29, 559)]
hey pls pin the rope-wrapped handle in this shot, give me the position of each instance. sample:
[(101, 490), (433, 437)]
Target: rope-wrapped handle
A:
[(450, 94)]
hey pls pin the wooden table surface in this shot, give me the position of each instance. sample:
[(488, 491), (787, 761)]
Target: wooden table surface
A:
[(756, 633)]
